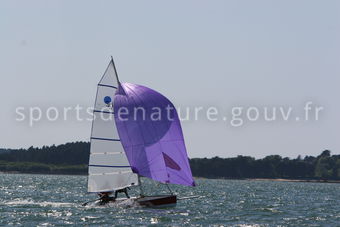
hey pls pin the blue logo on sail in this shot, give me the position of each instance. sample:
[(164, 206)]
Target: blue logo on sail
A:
[(107, 99)]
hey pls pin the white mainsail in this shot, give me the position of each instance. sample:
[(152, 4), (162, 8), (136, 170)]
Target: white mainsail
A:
[(109, 168)]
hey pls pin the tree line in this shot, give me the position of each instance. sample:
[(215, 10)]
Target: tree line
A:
[(325, 166), (72, 158)]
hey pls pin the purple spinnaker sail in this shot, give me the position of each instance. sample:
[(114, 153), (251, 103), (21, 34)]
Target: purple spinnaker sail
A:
[(151, 134)]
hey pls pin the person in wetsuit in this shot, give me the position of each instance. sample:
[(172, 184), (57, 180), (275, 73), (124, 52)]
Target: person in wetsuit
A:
[(123, 190), (105, 197)]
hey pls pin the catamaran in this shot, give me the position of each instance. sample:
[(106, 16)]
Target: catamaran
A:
[(136, 132)]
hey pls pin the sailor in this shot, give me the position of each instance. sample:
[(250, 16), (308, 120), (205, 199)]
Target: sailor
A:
[(123, 190), (105, 197)]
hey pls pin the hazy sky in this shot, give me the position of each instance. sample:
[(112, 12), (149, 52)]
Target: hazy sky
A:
[(197, 53)]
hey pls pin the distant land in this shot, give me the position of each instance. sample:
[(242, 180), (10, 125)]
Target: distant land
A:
[(4, 150), (72, 158)]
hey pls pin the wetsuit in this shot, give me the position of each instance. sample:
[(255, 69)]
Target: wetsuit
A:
[(105, 198), (121, 191)]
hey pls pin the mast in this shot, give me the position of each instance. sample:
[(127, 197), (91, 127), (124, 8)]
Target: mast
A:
[(167, 185), (140, 187)]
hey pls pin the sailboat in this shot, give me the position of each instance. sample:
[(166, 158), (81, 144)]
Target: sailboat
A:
[(135, 135)]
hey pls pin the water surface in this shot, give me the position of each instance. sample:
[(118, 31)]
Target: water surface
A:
[(55, 200)]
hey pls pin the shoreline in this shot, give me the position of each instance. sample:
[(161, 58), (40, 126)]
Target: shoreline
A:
[(294, 180), (245, 179), (18, 172)]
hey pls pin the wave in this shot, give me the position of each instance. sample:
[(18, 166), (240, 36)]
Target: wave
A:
[(119, 203), (20, 202)]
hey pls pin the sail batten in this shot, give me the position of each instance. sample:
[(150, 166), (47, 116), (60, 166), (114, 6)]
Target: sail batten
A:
[(108, 139)]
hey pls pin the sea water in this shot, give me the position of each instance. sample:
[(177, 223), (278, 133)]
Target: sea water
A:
[(55, 200)]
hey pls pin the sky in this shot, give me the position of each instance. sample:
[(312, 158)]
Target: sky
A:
[(220, 54)]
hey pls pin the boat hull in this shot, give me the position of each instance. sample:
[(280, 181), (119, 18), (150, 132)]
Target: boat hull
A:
[(145, 201), (157, 201)]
